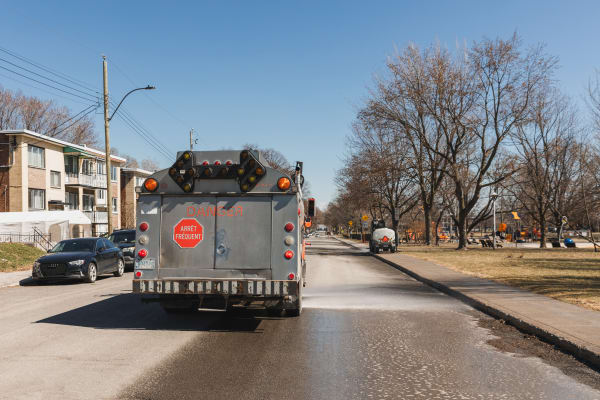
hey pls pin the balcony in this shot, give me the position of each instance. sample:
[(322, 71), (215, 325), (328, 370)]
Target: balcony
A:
[(97, 217), (92, 181)]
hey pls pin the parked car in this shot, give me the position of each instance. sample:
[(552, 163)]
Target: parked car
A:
[(84, 258), (125, 240)]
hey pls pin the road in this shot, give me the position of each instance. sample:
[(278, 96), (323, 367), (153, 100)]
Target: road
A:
[(367, 331)]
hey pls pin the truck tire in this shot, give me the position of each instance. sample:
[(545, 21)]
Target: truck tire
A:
[(295, 312)]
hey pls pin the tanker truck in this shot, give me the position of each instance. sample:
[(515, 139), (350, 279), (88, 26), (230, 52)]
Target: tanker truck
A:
[(221, 229)]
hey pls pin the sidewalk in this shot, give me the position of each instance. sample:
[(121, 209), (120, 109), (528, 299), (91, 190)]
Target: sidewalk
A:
[(13, 278), (571, 328)]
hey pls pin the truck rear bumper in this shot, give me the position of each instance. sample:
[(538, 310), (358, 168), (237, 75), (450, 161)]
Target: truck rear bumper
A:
[(233, 287)]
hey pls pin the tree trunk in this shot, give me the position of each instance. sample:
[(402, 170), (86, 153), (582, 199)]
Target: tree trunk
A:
[(542, 232), (427, 215), (462, 230)]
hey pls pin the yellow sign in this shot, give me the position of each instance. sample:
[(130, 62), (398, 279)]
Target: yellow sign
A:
[(350, 223), (365, 217), (515, 215)]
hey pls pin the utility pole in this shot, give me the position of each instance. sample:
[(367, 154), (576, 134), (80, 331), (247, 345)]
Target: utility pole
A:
[(191, 139), (107, 143)]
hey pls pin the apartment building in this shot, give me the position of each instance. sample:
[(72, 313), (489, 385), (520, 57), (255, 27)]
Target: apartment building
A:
[(130, 179), (38, 173)]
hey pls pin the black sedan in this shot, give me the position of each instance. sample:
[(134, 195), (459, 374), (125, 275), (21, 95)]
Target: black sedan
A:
[(125, 240), (84, 258)]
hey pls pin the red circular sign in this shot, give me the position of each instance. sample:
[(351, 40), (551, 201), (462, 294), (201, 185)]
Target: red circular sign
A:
[(187, 233)]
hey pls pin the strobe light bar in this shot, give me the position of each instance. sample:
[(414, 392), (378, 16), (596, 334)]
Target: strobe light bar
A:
[(248, 172)]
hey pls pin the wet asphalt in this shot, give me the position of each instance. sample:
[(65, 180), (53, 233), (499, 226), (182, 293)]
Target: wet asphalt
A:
[(367, 332)]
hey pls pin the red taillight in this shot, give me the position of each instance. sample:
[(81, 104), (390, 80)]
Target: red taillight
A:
[(385, 239), (138, 274), (291, 276), (298, 211), (289, 227), (288, 254), (144, 226), (228, 162), (217, 162), (205, 163), (142, 253)]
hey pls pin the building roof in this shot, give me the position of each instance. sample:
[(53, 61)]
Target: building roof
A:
[(73, 147), (137, 171)]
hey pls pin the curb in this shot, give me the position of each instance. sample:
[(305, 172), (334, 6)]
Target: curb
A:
[(581, 353)]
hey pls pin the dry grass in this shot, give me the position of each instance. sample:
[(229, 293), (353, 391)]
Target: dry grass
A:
[(570, 275), (17, 256)]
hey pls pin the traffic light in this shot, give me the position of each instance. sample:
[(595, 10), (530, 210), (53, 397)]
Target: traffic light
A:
[(311, 207)]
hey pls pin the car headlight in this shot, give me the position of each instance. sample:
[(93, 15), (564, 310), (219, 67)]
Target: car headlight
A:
[(76, 263), (36, 266), (128, 250)]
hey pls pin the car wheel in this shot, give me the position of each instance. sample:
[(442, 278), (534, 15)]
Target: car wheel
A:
[(92, 273), (120, 268)]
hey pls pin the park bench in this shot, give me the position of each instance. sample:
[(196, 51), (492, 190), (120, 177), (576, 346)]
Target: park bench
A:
[(483, 243), (490, 243), (555, 244)]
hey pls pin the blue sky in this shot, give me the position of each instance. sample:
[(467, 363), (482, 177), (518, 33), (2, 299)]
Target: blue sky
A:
[(286, 75)]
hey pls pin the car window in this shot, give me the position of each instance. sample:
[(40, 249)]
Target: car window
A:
[(73, 245), (122, 237), (108, 244)]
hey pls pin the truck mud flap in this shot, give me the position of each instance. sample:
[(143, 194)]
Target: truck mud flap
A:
[(258, 288)]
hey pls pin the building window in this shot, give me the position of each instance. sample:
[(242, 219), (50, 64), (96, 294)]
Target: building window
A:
[(37, 199), (86, 167), (71, 165), (55, 179), (102, 195), (100, 167), (88, 202), (36, 156), (72, 200), (139, 180), (113, 173), (114, 205)]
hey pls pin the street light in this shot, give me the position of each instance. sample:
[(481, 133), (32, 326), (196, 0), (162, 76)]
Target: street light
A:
[(107, 140), (128, 93), (494, 196)]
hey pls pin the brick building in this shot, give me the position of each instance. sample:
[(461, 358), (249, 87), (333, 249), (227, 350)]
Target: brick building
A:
[(130, 179), (39, 172)]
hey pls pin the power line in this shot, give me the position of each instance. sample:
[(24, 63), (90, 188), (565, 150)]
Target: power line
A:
[(82, 117), (142, 135), (75, 116), (45, 77), (49, 70), (148, 131), (45, 84), (42, 89)]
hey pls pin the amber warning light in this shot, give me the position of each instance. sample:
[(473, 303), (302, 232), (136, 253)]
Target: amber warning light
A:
[(151, 184)]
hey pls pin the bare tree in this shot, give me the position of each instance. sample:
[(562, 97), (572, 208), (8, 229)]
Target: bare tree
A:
[(22, 112), (543, 144), (149, 165), (377, 162)]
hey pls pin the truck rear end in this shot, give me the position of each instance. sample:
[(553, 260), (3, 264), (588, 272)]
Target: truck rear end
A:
[(221, 229)]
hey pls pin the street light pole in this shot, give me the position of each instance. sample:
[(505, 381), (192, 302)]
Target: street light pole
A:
[(107, 147), (107, 120), (494, 195)]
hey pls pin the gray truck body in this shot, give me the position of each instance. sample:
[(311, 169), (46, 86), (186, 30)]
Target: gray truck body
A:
[(240, 257)]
